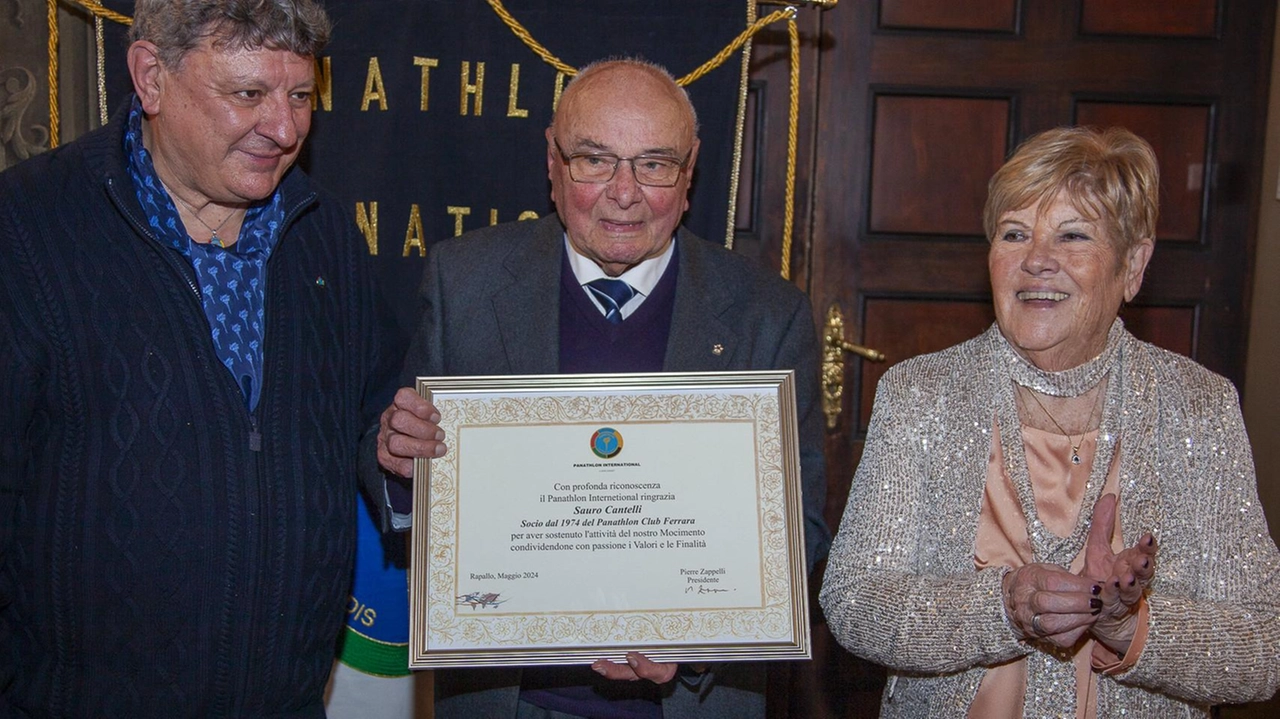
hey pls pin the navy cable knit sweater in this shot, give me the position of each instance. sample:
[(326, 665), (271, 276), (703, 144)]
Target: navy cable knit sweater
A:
[(152, 562)]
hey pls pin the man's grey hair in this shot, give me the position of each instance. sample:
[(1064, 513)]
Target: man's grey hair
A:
[(641, 64), (177, 26)]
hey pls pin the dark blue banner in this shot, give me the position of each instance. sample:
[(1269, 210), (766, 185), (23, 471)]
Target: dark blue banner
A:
[(431, 118)]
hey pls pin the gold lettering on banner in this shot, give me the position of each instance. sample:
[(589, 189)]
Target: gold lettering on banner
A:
[(458, 213), (555, 99), (413, 235), (469, 88), (323, 95), (374, 79), (526, 215), (426, 63), (367, 221), (513, 92)]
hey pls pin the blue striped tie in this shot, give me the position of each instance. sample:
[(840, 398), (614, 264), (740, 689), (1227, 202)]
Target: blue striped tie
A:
[(613, 294)]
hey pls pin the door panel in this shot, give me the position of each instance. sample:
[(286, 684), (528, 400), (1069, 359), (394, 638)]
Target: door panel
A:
[(922, 181), (904, 327), (994, 15), (1185, 18), (1178, 134), (917, 103)]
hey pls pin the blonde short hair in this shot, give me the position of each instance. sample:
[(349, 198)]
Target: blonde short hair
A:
[(1109, 175)]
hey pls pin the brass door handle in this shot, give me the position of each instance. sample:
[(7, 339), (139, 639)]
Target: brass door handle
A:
[(833, 348)]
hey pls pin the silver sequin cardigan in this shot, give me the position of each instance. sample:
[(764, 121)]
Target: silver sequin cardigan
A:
[(901, 590)]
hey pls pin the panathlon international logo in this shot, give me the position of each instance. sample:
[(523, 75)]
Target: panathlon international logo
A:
[(606, 442)]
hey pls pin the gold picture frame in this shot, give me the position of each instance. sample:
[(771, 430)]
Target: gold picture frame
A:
[(578, 517)]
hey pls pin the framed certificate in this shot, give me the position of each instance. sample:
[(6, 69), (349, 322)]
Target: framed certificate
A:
[(579, 517)]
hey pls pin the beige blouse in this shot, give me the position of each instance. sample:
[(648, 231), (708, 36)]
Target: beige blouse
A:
[(1059, 487)]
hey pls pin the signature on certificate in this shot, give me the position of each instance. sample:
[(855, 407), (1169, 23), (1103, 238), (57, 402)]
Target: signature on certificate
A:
[(700, 589), (484, 600)]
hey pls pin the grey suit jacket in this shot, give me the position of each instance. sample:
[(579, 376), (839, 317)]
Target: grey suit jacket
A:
[(491, 306)]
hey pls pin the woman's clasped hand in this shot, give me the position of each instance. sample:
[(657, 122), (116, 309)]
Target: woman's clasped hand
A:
[(1048, 603)]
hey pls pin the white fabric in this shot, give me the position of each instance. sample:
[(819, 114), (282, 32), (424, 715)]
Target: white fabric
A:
[(642, 278), (352, 694)]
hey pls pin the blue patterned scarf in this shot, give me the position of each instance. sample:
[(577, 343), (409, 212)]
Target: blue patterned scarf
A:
[(232, 280)]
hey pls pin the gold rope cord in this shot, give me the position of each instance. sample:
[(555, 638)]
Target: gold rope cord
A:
[(534, 45), (793, 120), (739, 122), (541, 51), (99, 12), (745, 35), (53, 73), (789, 14), (100, 63)]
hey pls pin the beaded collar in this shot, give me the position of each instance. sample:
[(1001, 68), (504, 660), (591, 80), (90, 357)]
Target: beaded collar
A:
[(1067, 383)]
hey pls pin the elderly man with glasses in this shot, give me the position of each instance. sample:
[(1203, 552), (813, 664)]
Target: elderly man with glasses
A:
[(611, 283)]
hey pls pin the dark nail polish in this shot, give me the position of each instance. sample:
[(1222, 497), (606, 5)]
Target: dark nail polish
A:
[(1117, 584), (1095, 604), (1095, 590), (1150, 540), (1132, 582), (1146, 563), (1096, 612)]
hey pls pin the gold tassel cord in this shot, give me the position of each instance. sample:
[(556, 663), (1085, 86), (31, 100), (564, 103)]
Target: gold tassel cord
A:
[(793, 121), (534, 45), (98, 12), (100, 63), (739, 122), (787, 13), (541, 51), (53, 73)]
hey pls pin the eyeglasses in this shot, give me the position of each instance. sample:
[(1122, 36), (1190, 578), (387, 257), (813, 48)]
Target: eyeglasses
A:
[(600, 167)]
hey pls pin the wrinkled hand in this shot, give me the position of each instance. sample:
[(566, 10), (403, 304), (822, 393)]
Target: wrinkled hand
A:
[(409, 428), (638, 667), (1123, 577), (1046, 602)]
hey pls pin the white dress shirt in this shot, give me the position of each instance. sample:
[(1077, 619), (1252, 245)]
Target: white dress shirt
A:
[(642, 278)]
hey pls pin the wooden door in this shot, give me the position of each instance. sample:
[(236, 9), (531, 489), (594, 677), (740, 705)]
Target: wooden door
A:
[(909, 107)]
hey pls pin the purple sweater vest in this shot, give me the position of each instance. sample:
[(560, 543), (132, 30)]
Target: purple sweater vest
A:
[(591, 344)]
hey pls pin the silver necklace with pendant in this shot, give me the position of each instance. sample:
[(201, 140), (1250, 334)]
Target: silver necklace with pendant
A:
[(214, 238), (1075, 446)]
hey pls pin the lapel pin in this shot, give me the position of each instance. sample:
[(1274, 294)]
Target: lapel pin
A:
[(320, 282), (717, 349)]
